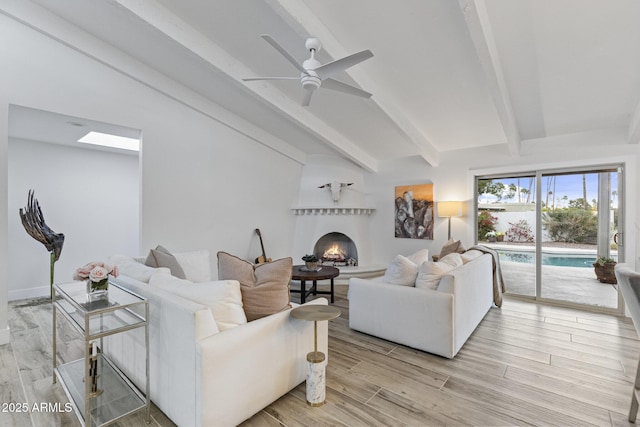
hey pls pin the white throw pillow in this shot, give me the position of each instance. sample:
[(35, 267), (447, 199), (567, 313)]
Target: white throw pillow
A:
[(223, 297), (430, 273), (402, 271), (129, 267), (470, 255), (419, 257), (195, 264), (454, 260)]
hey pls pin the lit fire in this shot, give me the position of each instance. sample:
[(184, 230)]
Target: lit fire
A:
[(334, 253)]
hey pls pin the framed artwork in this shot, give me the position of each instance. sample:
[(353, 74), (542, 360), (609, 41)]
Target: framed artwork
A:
[(414, 211)]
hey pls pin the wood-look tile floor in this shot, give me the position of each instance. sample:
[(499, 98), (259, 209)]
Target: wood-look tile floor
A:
[(526, 364)]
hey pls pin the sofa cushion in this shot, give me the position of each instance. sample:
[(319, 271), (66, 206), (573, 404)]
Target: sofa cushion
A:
[(161, 257), (452, 246), (223, 297), (402, 271), (469, 255), (430, 273), (264, 287)]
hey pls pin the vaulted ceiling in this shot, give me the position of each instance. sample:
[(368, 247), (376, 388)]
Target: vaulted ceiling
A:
[(446, 74)]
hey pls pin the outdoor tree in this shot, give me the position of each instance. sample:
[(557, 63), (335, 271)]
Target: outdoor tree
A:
[(497, 189), (574, 225), (579, 203)]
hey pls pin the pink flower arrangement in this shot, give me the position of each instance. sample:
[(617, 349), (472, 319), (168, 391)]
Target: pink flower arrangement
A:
[(96, 272)]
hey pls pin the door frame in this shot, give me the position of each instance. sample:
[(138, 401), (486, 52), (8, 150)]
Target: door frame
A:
[(538, 173)]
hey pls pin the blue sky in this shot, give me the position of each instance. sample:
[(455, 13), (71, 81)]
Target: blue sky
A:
[(565, 185)]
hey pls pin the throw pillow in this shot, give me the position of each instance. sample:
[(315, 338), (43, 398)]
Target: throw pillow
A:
[(450, 247), (264, 287), (223, 297), (161, 257), (129, 267), (195, 264), (419, 257), (430, 273), (402, 271), (470, 255)]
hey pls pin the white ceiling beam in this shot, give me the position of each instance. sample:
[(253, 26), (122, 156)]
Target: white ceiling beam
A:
[(633, 135), (305, 22), (179, 31), (477, 19)]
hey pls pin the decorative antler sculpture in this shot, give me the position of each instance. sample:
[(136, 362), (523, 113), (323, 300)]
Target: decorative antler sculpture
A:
[(33, 222), (335, 188)]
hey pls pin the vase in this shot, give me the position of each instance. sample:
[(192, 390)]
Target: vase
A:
[(98, 288), (311, 265), (605, 273)]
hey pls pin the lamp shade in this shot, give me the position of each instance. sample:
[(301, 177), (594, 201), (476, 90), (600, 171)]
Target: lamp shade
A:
[(449, 209)]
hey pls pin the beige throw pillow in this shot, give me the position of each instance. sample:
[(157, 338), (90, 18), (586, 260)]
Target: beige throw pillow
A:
[(264, 287), (452, 246), (161, 257)]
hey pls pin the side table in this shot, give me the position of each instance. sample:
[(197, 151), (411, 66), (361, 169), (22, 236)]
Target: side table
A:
[(301, 273), (316, 381), (98, 391)]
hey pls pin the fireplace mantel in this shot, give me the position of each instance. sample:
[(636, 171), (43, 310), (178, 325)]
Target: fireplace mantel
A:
[(332, 211)]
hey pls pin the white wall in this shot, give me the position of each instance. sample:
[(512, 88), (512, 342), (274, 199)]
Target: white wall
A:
[(91, 196), (203, 184), (453, 180)]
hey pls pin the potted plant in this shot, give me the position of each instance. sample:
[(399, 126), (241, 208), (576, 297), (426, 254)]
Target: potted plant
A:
[(490, 236), (500, 236), (310, 261), (604, 268)]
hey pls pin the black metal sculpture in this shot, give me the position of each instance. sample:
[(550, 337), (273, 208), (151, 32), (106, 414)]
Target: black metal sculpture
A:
[(33, 222)]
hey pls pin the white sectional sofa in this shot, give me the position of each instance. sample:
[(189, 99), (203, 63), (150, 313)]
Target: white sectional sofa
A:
[(200, 375), (438, 321)]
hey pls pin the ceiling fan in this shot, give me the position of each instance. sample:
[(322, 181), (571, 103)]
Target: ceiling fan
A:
[(314, 74)]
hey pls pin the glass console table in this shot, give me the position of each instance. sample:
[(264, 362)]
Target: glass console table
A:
[(108, 395)]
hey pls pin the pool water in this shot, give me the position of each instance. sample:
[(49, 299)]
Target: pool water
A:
[(549, 259)]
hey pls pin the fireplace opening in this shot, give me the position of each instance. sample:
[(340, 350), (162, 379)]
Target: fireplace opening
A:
[(336, 249)]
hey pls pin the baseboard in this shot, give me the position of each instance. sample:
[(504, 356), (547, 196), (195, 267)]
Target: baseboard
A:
[(39, 292), (4, 336)]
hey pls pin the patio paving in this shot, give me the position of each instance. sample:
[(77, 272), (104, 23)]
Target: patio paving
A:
[(574, 284)]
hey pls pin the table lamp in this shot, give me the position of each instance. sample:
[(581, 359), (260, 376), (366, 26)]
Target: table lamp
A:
[(448, 210)]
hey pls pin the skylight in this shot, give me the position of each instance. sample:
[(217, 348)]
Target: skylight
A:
[(113, 141)]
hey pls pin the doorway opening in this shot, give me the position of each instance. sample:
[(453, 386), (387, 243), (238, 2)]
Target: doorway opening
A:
[(88, 192)]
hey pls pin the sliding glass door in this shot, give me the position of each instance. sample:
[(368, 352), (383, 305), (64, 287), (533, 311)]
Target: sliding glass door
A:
[(506, 222), (555, 224)]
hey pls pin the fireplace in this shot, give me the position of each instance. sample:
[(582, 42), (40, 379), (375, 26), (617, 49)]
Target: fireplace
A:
[(336, 249)]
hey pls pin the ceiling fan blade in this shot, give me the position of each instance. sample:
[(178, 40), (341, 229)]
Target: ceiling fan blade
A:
[(332, 68), (270, 78), (283, 52), (306, 97), (343, 87)]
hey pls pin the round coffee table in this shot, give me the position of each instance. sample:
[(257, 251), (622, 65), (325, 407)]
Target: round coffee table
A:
[(316, 387), (301, 273)]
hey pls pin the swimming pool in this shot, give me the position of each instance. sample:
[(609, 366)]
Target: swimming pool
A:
[(559, 260)]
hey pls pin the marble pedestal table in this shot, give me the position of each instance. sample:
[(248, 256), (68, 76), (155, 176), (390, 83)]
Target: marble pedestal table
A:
[(316, 383)]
